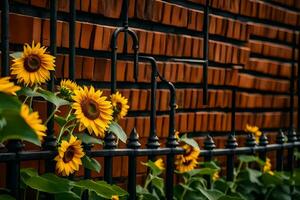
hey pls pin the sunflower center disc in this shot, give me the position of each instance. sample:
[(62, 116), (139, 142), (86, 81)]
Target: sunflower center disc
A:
[(90, 109), (119, 106), (32, 63), (69, 154)]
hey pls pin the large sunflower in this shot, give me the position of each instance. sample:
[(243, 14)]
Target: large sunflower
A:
[(183, 165), (69, 156), (34, 121), (34, 66), (190, 152), (92, 110), (8, 87), (120, 106)]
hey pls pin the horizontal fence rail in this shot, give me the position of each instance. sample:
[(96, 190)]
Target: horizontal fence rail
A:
[(13, 155)]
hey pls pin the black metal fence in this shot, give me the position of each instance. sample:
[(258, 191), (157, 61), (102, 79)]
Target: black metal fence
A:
[(15, 155)]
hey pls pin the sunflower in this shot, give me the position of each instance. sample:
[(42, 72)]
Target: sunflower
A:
[(187, 161), (114, 197), (69, 156), (92, 110), (253, 130), (183, 165), (268, 167), (215, 176), (120, 106), (159, 163), (34, 66), (34, 121), (8, 87), (67, 88)]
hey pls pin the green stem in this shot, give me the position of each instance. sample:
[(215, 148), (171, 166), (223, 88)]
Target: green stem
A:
[(147, 182), (37, 195), (186, 181), (24, 197), (63, 128), (50, 116)]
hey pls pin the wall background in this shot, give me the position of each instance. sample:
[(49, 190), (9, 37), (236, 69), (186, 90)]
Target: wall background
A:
[(250, 47)]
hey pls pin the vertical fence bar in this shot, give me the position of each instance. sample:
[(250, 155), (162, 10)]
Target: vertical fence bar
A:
[(291, 132), (5, 38), (50, 141), (279, 152), (171, 143), (153, 142), (298, 95), (133, 143), (231, 141), (72, 34), (263, 141), (209, 145), (205, 50)]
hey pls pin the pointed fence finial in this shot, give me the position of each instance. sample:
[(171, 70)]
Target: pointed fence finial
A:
[(231, 142), (250, 141), (133, 140), (292, 135), (209, 143), (263, 140), (280, 138), (110, 141)]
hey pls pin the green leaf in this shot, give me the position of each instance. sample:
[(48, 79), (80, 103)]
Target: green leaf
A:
[(201, 172), (269, 180), (45, 94), (88, 139), (16, 55), (91, 163), (221, 185), (158, 183), (215, 194), (154, 169), (247, 158), (20, 132), (102, 189), (190, 141), (51, 97), (206, 193), (118, 131), (211, 164), (44, 185), (9, 102), (6, 197), (60, 120), (56, 179), (227, 197), (67, 196), (25, 174)]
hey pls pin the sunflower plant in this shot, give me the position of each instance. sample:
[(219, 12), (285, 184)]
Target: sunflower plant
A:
[(83, 114)]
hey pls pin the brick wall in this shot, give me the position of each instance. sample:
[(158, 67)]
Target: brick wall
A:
[(255, 35)]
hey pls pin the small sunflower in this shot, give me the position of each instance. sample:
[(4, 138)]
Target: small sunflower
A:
[(268, 167), (34, 121), (67, 88), (34, 66), (253, 130), (120, 106), (92, 110), (183, 165), (160, 164), (69, 156), (8, 87), (215, 176), (114, 197)]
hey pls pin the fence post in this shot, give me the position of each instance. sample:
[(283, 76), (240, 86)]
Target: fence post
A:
[(209, 145), (171, 143), (231, 141), (13, 169), (50, 140), (110, 143), (263, 141), (133, 143), (279, 152)]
